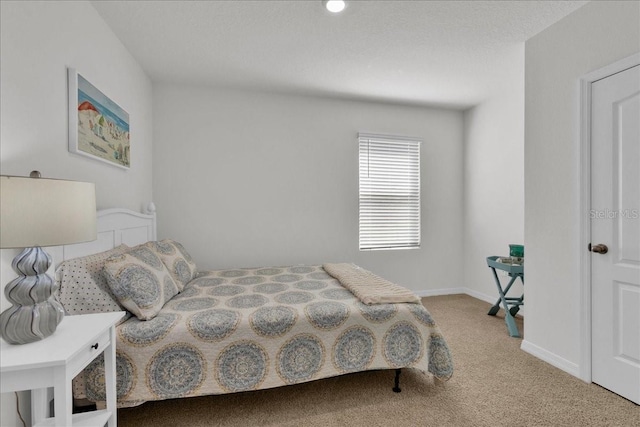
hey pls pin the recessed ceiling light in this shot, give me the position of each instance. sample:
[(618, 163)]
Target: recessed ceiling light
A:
[(334, 6)]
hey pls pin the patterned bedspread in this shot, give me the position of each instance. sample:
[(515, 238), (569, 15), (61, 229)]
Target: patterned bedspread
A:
[(236, 330)]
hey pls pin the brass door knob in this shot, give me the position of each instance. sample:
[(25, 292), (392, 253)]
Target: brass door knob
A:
[(599, 248)]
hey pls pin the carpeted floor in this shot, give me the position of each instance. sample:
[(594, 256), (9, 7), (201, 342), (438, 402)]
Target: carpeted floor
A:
[(495, 383)]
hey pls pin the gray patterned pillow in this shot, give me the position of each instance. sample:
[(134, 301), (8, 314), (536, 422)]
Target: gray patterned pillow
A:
[(83, 288), (140, 281), (176, 259)]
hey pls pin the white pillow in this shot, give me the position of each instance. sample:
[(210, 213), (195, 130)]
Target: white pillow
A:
[(83, 288)]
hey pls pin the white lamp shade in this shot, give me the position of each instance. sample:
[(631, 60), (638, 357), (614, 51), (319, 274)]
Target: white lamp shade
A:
[(46, 212)]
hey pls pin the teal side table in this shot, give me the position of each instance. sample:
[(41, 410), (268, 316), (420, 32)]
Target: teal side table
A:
[(510, 305)]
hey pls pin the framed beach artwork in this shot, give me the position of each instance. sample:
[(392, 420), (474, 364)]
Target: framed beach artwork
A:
[(98, 127)]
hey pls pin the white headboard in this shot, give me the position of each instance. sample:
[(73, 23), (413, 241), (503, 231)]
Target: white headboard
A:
[(116, 226)]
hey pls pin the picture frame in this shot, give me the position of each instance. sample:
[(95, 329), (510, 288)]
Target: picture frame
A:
[(98, 127)]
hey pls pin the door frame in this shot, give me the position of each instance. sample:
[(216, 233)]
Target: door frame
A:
[(584, 195)]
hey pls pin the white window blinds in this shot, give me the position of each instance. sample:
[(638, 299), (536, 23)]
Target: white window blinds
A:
[(389, 192)]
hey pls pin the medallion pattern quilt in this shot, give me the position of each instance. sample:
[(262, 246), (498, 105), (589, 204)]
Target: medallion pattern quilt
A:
[(246, 329)]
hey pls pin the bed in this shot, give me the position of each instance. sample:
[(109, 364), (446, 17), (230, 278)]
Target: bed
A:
[(242, 329)]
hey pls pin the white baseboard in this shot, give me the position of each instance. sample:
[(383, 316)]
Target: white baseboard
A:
[(491, 299), (550, 358)]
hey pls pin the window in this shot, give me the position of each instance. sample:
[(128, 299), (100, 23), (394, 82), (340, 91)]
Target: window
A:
[(389, 192)]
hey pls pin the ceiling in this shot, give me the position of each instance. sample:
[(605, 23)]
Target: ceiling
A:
[(447, 53)]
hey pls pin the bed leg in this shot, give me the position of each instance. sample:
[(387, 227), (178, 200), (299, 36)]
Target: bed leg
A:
[(396, 388)]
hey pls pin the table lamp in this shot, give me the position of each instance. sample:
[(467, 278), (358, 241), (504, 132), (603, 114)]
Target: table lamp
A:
[(37, 212)]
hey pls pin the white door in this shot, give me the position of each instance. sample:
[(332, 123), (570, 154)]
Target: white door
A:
[(615, 222)]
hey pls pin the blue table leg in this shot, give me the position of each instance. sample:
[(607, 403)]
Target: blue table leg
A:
[(511, 325), (508, 318)]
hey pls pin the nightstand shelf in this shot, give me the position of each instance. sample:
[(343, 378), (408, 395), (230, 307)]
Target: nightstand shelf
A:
[(56, 360), (85, 419)]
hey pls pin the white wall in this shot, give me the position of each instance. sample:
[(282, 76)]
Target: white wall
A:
[(256, 179), (595, 35), (39, 40), (494, 177)]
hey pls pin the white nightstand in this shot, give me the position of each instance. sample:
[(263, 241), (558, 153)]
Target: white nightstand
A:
[(56, 360)]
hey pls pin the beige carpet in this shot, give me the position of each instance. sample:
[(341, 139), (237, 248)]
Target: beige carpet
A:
[(494, 384)]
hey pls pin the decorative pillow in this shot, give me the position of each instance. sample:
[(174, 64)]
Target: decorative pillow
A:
[(140, 281), (83, 288), (177, 260)]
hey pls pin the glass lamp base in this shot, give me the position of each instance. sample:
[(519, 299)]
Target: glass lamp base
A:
[(35, 313)]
